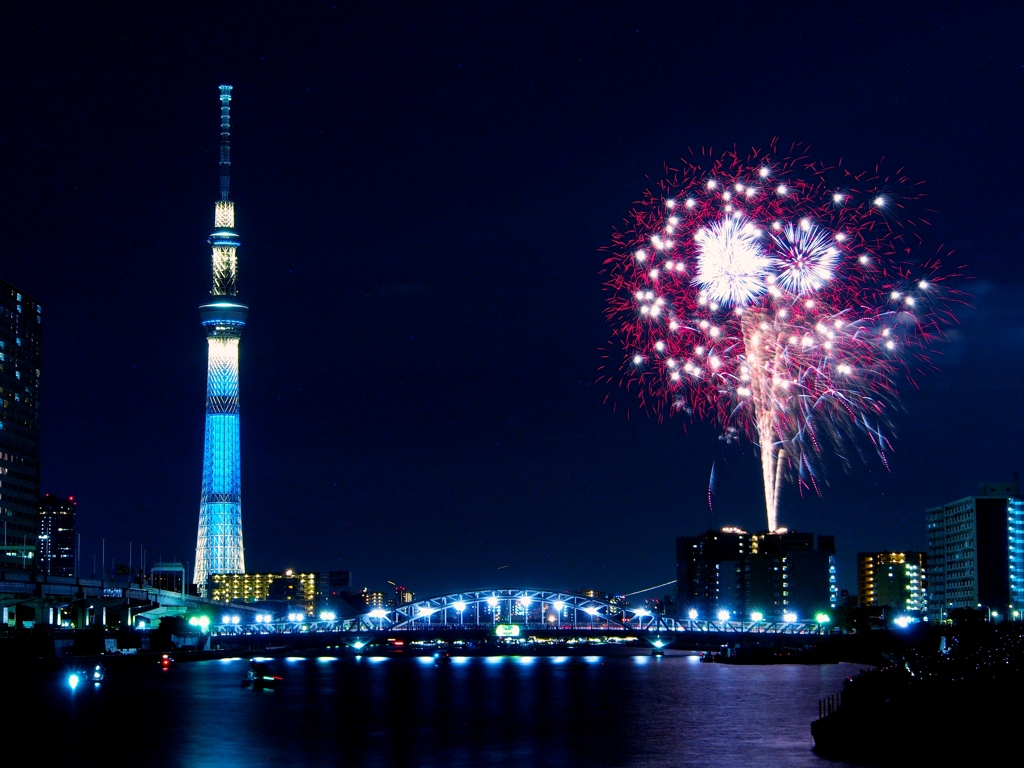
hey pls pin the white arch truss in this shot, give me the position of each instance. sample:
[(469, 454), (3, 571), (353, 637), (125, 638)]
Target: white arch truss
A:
[(528, 608)]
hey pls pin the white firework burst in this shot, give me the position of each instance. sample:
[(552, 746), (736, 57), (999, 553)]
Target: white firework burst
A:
[(732, 268)]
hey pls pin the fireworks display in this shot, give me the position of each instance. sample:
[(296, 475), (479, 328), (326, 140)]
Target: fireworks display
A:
[(781, 299)]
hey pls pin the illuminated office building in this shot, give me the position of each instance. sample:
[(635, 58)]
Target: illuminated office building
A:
[(56, 549), (219, 543), (20, 360)]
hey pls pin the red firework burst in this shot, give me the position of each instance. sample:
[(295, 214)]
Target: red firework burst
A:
[(779, 298)]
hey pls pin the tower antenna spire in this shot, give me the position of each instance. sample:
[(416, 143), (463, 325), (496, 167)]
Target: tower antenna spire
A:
[(225, 142)]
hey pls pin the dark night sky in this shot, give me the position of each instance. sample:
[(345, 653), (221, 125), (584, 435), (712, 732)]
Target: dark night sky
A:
[(422, 196)]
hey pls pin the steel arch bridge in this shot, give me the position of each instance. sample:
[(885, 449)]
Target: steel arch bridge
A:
[(523, 608), (527, 608)]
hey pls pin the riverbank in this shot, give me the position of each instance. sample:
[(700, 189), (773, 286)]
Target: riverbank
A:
[(955, 690)]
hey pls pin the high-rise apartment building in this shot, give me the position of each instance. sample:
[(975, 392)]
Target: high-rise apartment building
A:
[(976, 552), (20, 362), (894, 579), (56, 550)]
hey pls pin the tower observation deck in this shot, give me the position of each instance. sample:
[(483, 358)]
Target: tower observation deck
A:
[(219, 544)]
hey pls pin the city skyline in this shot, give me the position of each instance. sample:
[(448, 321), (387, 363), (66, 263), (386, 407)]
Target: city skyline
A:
[(426, 194)]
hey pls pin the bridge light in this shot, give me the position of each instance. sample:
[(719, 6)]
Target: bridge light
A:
[(757, 616), (525, 601), (73, 681), (459, 605), (641, 612), (591, 610), (327, 616), (789, 616), (225, 619), (822, 618), (492, 601), (378, 613), (424, 610), (559, 605), (723, 615)]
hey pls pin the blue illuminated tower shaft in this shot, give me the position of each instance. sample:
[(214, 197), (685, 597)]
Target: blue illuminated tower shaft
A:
[(219, 544)]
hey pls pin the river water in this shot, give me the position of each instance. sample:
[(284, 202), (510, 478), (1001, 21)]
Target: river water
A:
[(619, 711)]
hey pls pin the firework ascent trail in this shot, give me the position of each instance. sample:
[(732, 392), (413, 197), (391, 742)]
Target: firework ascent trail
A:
[(779, 298)]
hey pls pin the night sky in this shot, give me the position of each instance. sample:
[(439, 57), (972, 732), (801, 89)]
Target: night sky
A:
[(423, 193)]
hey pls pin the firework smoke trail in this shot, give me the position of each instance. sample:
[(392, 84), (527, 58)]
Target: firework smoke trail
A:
[(779, 298), (711, 488)]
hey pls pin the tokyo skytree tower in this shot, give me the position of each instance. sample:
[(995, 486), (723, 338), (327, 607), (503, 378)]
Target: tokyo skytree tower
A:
[(219, 545)]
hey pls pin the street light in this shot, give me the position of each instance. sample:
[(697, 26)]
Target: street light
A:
[(492, 601), (525, 602), (424, 612), (379, 614)]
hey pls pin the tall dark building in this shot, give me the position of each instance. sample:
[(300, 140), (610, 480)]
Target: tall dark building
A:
[(20, 361), (787, 573), (709, 570), (773, 574), (56, 552), (976, 553)]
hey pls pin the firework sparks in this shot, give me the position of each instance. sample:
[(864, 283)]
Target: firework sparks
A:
[(754, 293)]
